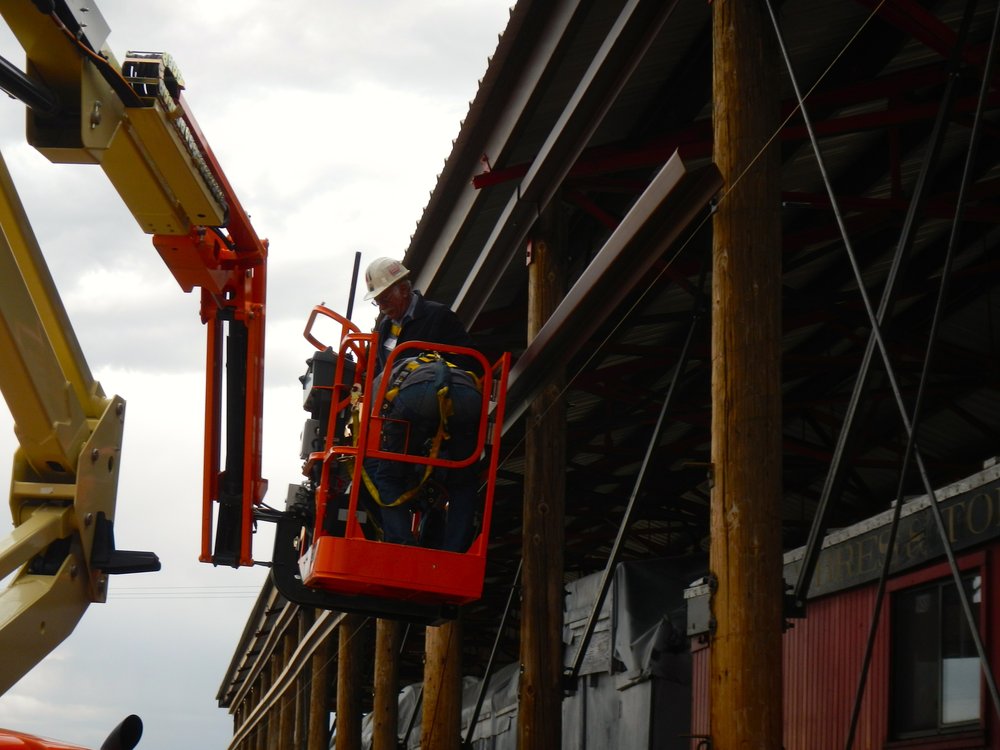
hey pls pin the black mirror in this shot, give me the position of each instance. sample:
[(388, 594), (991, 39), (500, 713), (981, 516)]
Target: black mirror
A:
[(126, 735)]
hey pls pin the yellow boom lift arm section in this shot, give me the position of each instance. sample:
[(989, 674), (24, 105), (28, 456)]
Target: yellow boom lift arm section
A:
[(131, 119)]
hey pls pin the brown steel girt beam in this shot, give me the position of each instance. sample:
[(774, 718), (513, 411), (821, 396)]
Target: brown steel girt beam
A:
[(822, 455), (605, 160), (819, 236), (663, 213), (824, 427), (890, 116), (583, 201), (624, 47), (585, 479), (695, 139), (871, 89), (655, 359), (987, 430), (587, 544), (692, 141), (916, 21), (939, 207)]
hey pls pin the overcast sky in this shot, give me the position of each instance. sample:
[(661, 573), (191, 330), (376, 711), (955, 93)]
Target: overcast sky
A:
[(332, 121)]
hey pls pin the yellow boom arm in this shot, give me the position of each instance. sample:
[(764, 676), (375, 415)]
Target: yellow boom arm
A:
[(65, 474), (132, 120)]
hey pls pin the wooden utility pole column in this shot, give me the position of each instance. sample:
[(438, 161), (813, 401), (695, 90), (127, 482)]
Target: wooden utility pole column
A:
[(271, 715), (385, 711), (539, 716), (286, 702), (306, 618), (349, 682), (318, 736), (745, 556), (441, 728)]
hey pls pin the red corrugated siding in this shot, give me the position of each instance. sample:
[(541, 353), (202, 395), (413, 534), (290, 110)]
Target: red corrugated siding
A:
[(822, 661), (699, 692), (822, 657)]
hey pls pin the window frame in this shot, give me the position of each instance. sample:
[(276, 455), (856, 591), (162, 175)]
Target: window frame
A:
[(970, 735)]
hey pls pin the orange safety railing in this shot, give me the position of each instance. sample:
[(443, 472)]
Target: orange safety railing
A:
[(353, 564)]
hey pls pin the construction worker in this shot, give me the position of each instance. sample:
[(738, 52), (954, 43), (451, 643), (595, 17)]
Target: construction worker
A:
[(406, 315), (423, 390)]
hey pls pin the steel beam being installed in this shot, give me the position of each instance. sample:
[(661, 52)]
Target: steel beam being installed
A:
[(662, 215), (624, 47)]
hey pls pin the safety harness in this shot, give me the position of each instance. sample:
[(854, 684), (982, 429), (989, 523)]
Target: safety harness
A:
[(442, 387)]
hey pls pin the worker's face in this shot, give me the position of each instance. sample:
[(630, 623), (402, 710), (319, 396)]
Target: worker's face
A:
[(394, 300)]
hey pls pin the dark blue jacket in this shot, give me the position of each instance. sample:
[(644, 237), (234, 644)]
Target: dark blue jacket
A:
[(431, 321)]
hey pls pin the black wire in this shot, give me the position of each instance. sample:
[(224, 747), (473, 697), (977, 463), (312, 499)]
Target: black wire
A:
[(474, 719)]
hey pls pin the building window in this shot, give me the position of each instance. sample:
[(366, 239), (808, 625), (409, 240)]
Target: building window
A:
[(935, 667)]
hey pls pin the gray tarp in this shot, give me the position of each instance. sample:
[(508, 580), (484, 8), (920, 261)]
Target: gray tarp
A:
[(634, 685)]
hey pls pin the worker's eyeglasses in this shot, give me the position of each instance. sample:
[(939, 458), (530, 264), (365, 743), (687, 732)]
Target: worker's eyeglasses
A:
[(382, 296)]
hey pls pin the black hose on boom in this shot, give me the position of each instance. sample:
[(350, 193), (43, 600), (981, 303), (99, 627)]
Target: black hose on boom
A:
[(33, 94)]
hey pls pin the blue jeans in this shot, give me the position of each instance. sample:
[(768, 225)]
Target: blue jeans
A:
[(414, 416)]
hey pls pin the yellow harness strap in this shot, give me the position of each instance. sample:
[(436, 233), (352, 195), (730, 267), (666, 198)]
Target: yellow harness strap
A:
[(445, 409)]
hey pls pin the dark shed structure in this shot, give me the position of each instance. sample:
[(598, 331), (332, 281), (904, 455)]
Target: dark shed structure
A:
[(597, 115)]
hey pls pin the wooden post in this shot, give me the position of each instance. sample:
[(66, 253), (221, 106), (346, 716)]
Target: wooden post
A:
[(441, 724), (306, 618), (745, 663), (260, 731), (263, 731), (273, 712), (286, 702), (540, 690), (385, 712), (349, 656), (319, 699)]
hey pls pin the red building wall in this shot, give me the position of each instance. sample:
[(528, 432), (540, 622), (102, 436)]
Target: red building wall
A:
[(822, 661)]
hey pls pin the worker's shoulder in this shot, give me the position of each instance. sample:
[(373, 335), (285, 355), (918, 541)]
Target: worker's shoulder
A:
[(434, 312), (429, 306)]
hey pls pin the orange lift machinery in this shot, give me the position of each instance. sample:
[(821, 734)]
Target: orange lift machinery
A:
[(327, 549), (131, 120)]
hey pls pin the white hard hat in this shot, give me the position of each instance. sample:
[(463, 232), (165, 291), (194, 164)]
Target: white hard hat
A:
[(383, 273)]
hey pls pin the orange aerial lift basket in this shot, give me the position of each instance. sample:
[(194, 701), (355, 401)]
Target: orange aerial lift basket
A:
[(328, 551)]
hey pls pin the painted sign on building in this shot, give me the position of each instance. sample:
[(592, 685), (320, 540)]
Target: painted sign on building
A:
[(854, 555)]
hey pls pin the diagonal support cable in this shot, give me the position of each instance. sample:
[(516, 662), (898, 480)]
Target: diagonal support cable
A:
[(877, 319), (953, 242), (474, 719), (570, 674), (876, 339)]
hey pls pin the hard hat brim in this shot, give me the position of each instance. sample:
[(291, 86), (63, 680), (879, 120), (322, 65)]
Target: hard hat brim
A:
[(379, 289)]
